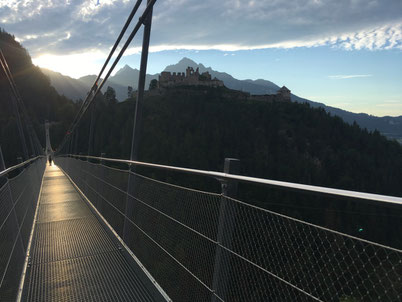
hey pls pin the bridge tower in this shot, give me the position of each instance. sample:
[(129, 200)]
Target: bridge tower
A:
[(49, 150)]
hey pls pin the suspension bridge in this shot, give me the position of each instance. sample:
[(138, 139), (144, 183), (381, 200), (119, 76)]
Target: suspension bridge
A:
[(87, 229)]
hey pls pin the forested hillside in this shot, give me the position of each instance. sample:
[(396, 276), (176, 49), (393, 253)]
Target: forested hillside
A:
[(198, 127), (41, 100)]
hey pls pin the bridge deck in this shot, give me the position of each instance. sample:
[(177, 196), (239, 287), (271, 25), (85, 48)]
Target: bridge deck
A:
[(73, 257)]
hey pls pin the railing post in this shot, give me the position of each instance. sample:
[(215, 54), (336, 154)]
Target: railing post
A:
[(231, 166), (98, 202), (225, 226), (138, 117)]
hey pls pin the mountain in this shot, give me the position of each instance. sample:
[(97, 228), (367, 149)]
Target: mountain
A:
[(127, 76), (389, 126), (88, 80), (69, 87), (121, 90), (78, 88)]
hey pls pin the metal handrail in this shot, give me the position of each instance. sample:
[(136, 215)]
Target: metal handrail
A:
[(10, 169), (255, 180)]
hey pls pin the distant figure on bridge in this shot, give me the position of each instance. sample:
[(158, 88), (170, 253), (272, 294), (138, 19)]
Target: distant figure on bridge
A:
[(50, 160)]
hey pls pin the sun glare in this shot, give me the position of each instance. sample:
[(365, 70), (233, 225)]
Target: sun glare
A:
[(75, 65)]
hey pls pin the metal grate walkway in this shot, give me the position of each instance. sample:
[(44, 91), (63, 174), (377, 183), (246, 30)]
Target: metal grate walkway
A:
[(74, 257)]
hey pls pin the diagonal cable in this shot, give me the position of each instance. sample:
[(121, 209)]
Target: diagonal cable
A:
[(95, 87)]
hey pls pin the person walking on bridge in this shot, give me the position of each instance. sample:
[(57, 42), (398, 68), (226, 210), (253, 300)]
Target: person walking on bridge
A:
[(50, 160)]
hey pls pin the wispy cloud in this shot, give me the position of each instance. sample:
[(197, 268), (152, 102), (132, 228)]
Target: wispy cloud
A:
[(69, 26), (349, 76)]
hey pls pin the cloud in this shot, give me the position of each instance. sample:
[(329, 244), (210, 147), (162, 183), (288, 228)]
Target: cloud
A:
[(349, 76), (63, 27)]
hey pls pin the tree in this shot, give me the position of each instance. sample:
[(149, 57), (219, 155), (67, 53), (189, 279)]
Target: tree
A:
[(110, 95), (153, 85)]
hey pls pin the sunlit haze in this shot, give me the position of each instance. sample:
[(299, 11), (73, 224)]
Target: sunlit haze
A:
[(74, 65)]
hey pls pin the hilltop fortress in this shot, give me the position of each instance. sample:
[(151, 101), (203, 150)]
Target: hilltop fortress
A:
[(282, 95), (191, 77), (194, 78)]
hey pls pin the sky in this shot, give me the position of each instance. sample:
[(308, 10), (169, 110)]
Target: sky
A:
[(345, 53)]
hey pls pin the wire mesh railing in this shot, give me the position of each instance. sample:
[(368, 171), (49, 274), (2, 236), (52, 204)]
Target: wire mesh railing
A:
[(18, 199), (202, 246)]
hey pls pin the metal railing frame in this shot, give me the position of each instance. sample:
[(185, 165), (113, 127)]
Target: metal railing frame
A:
[(255, 180), (20, 168), (13, 168), (227, 179)]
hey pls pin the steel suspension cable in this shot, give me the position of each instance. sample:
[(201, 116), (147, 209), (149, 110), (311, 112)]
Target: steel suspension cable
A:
[(15, 106), (95, 88), (122, 32), (31, 132), (130, 38)]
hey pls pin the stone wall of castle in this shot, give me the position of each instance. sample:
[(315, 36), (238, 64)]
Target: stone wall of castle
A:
[(283, 95), (194, 78), (190, 77)]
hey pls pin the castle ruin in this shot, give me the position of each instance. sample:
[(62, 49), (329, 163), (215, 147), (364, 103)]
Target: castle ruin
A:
[(194, 78), (190, 77)]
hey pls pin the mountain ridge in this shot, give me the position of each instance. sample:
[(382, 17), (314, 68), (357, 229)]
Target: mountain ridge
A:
[(128, 76), (66, 85)]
